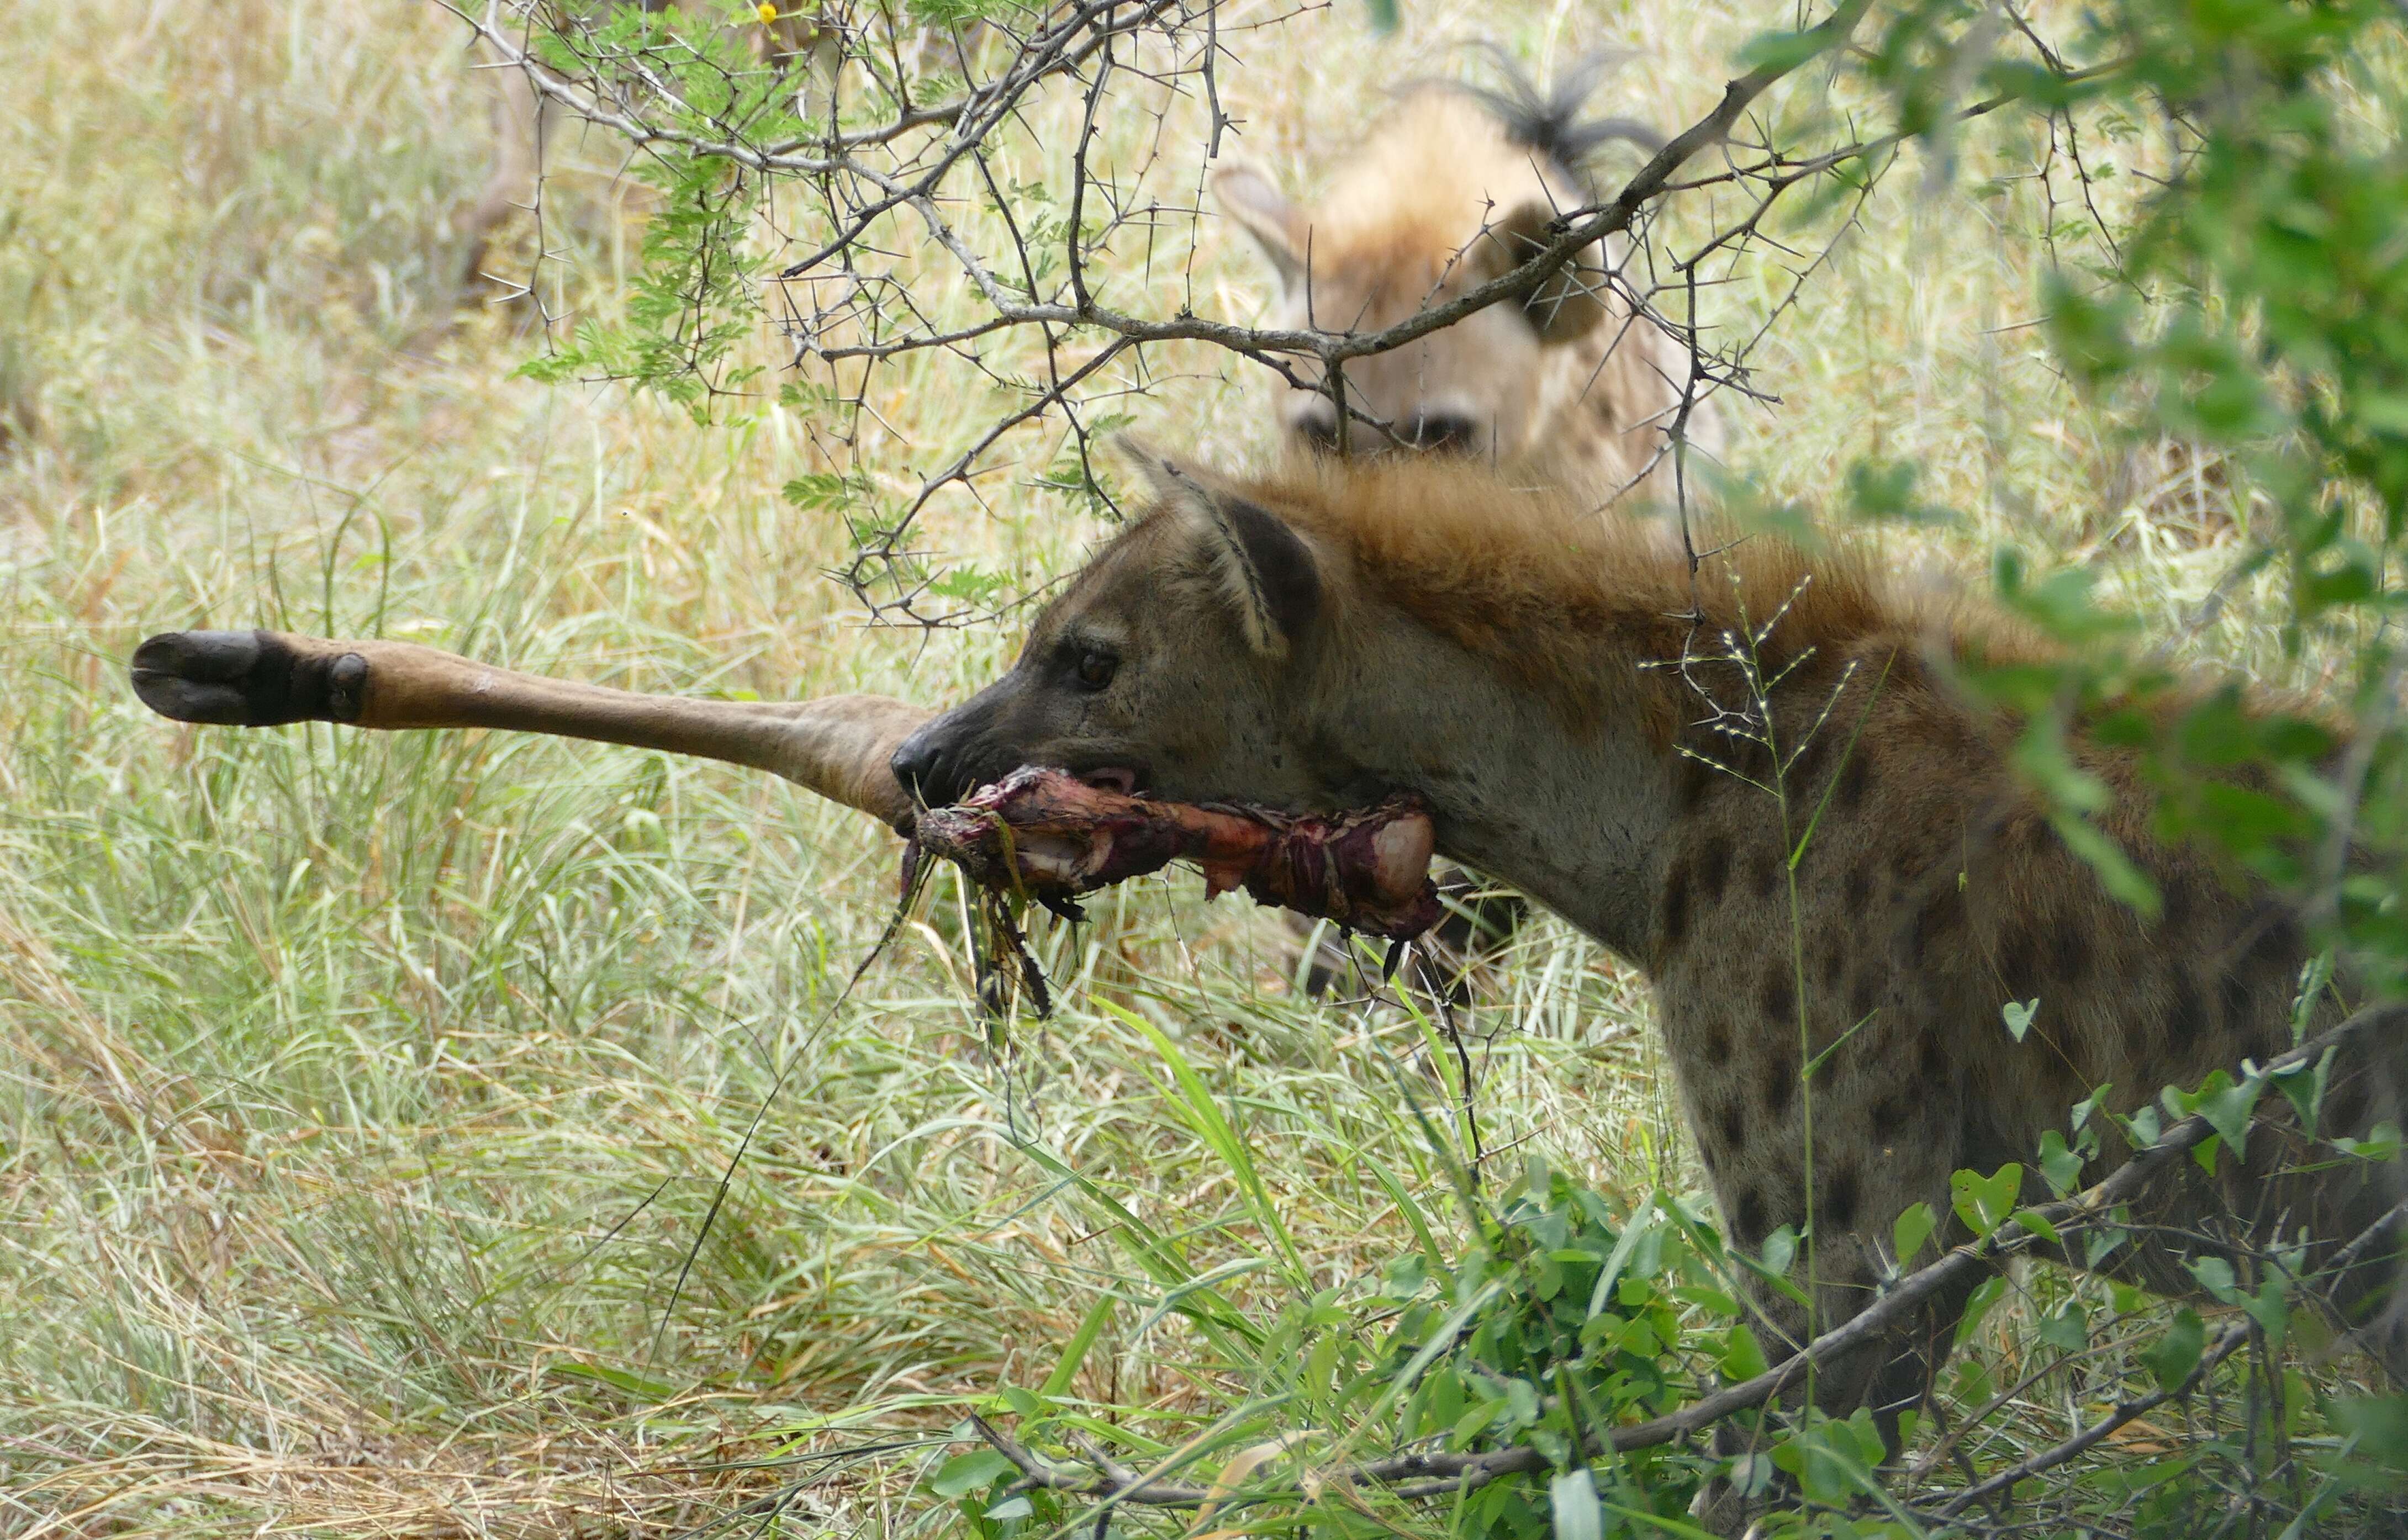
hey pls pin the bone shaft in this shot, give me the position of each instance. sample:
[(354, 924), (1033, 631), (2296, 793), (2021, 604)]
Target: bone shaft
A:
[(838, 747)]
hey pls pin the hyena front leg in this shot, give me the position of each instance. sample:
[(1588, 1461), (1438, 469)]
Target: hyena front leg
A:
[(1844, 1261)]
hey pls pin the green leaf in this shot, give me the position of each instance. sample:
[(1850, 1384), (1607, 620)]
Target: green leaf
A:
[(2381, 1143), (968, 1473), (2059, 1166), (2173, 1356), (2019, 1017), (2066, 1329), (2038, 1223), (1780, 1249), (1991, 1290), (2380, 1425), (1742, 1355), (2214, 1274), (1522, 1402), (618, 1379), (1985, 1203), (1781, 51), (2227, 1110), (1913, 1227), (1572, 1504), (1074, 1352), (2303, 1086)]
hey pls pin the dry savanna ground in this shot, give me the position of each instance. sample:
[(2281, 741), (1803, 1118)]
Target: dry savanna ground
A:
[(363, 1099)]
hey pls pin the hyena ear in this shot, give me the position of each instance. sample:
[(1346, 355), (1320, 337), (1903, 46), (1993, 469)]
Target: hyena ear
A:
[(1249, 195), (1569, 305), (1262, 569)]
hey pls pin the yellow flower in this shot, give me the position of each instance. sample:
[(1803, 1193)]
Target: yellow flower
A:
[(766, 11)]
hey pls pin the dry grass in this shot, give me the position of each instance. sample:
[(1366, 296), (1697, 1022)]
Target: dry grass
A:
[(362, 1098)]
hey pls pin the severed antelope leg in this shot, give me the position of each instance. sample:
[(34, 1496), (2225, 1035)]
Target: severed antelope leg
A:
[(1038, 831), (838, 747)]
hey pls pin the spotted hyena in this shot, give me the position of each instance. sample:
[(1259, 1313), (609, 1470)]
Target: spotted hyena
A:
[(1564, 694), (1451, 188), (1334, 633)]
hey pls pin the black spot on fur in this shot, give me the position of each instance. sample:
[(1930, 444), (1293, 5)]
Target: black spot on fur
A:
[(1935, 925), (1676, 905), (1857, 892), (2235, 992), (1550, 120), (1864, 993), (1714, 867), (1780, 1084), (1931, 1060), (2019, 962), (1692, 781), (2070, 953), (2186, 1013), (1780, 996), (1839, 1199), (1764, 872), (2277, 949), (1717, 1043), (1750, 1220), (1734, 1124), (1835, 963), (1855, 779), (1892, 1115), (2178, 903)]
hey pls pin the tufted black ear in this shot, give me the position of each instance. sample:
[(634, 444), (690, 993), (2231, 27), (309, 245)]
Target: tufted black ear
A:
[(1263, 569), (1571, 303)]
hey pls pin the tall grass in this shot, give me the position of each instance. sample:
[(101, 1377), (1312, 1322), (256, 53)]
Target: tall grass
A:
[(363, 1099)]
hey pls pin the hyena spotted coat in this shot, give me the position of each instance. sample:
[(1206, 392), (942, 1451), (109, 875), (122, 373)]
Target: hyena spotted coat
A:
[(1452, 188), (1321, 638)]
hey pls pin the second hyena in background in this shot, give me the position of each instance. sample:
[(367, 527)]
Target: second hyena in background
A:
[(1452, 188)]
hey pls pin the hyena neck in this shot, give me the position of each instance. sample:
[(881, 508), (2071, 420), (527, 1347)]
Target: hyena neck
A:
[(1576, 816)]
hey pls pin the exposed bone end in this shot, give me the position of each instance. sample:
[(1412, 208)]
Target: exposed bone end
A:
[(1402, 851)]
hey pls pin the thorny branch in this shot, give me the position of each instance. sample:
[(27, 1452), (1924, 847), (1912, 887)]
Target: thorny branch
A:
[(1432, 1474), (891, 183)]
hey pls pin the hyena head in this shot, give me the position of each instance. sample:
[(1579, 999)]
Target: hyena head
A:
[(1453, 189), (1170, 664)]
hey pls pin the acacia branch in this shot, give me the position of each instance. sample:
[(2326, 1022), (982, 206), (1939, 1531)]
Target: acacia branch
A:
[(2126, 1411), (1043, 56)]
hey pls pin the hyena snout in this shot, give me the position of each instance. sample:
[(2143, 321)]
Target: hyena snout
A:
[(1439, 429), (953, 755)]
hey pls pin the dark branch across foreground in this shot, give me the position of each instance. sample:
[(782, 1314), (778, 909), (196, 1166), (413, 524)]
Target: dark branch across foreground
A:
[(1438, 1472)]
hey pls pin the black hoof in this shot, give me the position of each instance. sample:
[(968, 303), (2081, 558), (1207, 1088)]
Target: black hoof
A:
[(245, 678)]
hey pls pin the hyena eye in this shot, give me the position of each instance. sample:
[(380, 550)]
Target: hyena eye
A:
[(1097, 667)]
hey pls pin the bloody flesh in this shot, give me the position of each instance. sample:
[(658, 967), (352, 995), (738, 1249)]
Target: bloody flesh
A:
[(1050, 835)]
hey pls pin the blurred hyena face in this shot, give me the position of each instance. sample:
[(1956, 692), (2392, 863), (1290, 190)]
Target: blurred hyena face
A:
[(1164, 667), (1467, 388), (1436, 204)]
